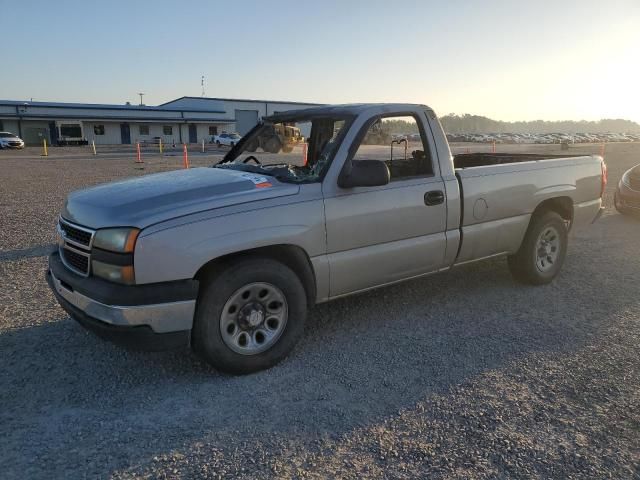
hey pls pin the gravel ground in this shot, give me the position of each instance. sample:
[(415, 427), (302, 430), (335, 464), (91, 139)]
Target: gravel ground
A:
[(460, 375)]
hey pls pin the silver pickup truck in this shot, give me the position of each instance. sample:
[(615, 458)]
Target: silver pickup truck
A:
[(228, 259)]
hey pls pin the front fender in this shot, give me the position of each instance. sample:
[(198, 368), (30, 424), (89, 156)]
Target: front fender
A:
[(179, 252)]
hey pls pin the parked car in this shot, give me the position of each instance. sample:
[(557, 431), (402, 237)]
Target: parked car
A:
[(226, 139), (228, 259), (627, 196), (10, 140)]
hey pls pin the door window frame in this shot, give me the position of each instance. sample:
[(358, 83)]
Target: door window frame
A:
[(426, 144)]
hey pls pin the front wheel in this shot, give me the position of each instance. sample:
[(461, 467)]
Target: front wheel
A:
[(543, 250), (249, 316)]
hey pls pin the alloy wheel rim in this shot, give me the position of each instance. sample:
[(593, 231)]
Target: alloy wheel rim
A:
[(547, 249), (254, 318)]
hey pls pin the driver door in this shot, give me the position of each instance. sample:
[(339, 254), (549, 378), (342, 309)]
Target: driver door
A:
[(384, 234)]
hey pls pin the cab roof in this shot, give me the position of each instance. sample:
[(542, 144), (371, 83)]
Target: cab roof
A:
[(345, 110)]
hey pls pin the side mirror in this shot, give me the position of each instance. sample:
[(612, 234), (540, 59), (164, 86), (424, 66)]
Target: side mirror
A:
[(364, 173)]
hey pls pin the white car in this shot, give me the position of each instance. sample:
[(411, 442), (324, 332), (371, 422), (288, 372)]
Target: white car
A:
[(227, 139), (10, 140)]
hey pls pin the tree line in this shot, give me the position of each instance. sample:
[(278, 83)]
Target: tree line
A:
[(467, 123)]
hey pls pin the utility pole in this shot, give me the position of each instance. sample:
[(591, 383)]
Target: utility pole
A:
[(141, 95)]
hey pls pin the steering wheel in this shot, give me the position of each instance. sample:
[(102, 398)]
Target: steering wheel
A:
[(251, 157)]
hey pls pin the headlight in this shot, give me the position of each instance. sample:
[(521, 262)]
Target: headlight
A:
[(121, 240), (114, 273)]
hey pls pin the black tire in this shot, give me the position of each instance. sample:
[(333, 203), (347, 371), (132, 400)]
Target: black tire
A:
[(219, 288), (524, 264), (273, 145), (218, 143), (616, 204)]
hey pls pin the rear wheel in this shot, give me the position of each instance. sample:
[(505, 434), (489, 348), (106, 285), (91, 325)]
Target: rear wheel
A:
[(543, 250), (249, 316)]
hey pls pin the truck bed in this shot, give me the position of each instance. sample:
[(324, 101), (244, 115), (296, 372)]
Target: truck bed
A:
[(468, 160), (500, 191)]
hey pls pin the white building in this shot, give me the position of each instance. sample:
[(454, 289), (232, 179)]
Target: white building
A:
[(184, 120)]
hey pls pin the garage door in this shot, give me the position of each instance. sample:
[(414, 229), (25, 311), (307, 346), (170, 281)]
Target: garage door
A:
[(35, 135), (246, 120)]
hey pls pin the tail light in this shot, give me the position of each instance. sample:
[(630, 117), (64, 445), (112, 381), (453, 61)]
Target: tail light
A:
[(603, 183)]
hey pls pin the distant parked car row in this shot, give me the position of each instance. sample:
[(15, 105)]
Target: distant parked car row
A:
[(543, 138), (10, 140)]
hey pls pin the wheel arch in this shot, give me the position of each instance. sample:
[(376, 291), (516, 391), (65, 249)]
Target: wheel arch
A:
[(563, 206), (293, 256)]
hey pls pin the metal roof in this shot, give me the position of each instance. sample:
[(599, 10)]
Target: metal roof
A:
[(287, 102), (103, 106)]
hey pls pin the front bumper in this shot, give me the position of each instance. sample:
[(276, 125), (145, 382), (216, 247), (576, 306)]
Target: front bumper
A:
[(154, 317)]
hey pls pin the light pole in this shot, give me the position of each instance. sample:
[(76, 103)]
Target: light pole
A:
[(141, 95)]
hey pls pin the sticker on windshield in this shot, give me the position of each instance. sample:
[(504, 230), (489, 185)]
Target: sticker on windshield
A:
[(258, 181)]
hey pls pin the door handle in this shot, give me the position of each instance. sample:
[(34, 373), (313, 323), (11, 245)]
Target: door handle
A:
[(435, 197)]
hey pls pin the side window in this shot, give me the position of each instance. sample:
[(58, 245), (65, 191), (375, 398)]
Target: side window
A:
[(213, 130), (144, 129), (167, 130), (98, 129), (398, 142)]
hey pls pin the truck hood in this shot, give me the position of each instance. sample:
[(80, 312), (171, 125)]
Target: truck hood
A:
[(143, 201)]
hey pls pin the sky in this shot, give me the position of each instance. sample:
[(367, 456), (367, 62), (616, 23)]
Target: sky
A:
[(508, 60)]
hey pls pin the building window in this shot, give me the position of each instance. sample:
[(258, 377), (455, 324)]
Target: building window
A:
[(70, 130), (144, 129), (98, 129), (167, 130), (1, 125), (213, 130)]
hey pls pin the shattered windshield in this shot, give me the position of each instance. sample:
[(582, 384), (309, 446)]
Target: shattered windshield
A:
[(296, 151)]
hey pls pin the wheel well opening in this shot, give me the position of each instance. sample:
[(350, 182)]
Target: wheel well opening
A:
[(292, 256), (561, 205)]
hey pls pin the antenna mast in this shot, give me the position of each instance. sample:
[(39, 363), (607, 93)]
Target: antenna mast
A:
[(202, 84)]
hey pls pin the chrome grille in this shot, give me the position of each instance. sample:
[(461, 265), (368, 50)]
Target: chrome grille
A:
[(75, 244), (76, 235), (78, 261)]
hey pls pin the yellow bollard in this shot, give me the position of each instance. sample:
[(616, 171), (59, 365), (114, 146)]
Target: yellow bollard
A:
[(45, 152), (160, 144), (93, 144)]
